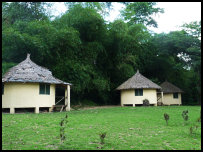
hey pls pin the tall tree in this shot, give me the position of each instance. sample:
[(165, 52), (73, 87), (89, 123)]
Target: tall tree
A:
[(100, 7), (194, 29), (141, 12), (82, 67), (24, 11), (184, 51)]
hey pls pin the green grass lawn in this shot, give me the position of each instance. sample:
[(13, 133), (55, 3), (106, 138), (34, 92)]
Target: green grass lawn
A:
[(127, 128)]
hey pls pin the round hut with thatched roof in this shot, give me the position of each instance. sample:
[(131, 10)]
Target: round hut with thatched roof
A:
[(138, 88), (28, 85), (171, 94)]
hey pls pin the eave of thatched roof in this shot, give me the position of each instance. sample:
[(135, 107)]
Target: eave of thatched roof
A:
[(170, 88), (138, 81), (28, 71)]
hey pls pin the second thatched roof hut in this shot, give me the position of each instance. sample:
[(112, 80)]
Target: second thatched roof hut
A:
[(171, 94), (138, 88)]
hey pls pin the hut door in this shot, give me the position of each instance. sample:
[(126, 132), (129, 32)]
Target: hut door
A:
[(60, 95)]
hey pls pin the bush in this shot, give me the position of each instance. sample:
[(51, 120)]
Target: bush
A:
[(88, 103), (193, 129), (146, 102), (77, 107), (199, 119), (102, 136), (82, 104), (166, 117), (185, 115), (63, 123)]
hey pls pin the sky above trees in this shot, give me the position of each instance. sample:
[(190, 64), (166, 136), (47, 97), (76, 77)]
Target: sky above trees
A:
[(175, 14)]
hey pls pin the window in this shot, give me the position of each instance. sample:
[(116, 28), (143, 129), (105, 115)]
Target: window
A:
[(138, 92), (2, 89), (175, 95), (44, 89)]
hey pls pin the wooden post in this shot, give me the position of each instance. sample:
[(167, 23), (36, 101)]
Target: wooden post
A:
[(67, 98), (12, 110), (121, 100), (162, 96), (36, 109), (51, 108)]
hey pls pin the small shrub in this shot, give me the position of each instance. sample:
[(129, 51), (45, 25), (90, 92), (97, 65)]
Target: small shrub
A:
[(102, 136), (185, 115), (88, 103), (199, 119), (193, 128), (77, 107), (83, 104), (146, 102), (62, 129), (166, 117)]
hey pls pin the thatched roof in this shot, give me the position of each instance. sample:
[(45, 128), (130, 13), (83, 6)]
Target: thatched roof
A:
[(170, 88), (138, 81), (28, 71)]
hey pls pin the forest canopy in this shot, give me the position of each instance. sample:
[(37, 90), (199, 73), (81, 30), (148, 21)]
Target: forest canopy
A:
[(80, 47)]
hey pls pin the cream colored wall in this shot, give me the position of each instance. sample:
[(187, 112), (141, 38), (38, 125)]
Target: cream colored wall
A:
[(128, 96), (25, 95), (169, 100)]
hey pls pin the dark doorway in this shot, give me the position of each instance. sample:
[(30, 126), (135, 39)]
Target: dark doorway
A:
[(60, 95)]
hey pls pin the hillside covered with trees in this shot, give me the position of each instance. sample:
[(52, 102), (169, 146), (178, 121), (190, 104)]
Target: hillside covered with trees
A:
[(82, 48)]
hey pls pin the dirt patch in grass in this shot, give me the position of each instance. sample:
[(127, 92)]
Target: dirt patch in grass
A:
[(99, 107)]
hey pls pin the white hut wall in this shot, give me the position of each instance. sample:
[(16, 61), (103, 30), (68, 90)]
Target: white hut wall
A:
[(26, 95), (128, 96), (169, 100)]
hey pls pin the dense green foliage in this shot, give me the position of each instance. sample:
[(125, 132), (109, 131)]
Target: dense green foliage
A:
[(80, 47), (141, 13), (126, 128)]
